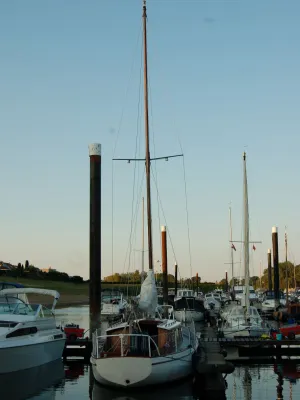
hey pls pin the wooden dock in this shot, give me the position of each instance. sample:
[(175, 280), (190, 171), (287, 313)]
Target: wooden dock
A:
[(209, 365), (210, 357)]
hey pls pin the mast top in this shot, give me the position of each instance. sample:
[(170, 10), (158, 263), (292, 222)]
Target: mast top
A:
[(244, 155)]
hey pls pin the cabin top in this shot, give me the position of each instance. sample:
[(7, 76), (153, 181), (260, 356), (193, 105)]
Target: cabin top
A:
[(185, 293), (169, 324)]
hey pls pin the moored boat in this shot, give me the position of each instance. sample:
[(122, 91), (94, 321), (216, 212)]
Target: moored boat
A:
[(28, 333)]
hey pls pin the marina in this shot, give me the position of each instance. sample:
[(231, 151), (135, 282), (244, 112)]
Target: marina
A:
[(115, 233)]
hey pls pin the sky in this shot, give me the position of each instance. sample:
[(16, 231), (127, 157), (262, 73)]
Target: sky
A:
[(223, 79)]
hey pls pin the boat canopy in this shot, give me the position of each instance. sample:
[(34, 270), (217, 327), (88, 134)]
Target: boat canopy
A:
[(46, 292)]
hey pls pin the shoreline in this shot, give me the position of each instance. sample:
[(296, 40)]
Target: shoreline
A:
[(65, 300)]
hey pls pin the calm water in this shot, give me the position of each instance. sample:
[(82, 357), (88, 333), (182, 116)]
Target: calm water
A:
[(74, 381)]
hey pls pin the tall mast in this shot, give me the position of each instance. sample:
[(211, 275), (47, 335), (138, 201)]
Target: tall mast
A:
[(246, 238), (232, 276), (148, 177)]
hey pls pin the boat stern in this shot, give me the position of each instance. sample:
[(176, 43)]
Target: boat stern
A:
[(122, 371)]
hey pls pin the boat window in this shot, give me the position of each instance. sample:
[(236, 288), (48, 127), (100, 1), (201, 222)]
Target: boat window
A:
[(22, 332)]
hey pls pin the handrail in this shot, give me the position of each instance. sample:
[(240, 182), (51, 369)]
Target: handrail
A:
[(171, 312), (121, 336)]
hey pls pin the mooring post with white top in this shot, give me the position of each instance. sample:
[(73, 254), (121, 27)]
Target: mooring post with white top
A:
[(164, 264), (270, 283), (95, 237), (275, 264)]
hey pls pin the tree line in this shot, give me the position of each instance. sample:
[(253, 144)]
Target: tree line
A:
[(31, 272), (293, 273)]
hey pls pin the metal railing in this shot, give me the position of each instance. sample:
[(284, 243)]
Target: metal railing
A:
[(139, 344), (124, 345)]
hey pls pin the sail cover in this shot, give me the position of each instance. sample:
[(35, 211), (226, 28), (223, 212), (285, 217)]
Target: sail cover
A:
[(148, 296)]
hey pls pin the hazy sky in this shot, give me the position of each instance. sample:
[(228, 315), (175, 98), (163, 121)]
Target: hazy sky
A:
[(223, 75)]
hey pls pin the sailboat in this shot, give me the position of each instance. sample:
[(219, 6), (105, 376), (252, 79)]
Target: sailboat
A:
[(244, 320), (150, 350)]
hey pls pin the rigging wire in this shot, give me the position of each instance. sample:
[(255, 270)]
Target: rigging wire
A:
[(168, 230), (135, 168), (154, 153), (187, 211), (115, 146), (128, 246), (134, 172)]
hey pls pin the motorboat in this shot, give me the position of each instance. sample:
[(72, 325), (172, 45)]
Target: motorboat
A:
[(145, 351), (239, 293), (268, 304), (212, 302), (29, 336), (113, 304), (188, 307)]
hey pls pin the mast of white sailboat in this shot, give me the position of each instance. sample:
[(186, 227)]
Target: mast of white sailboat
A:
[(148, 160), (246, 239), (232, 276)]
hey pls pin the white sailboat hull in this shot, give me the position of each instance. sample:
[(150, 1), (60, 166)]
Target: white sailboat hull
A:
[(30, 355), (142, 371), (189, 315), (246, 331)]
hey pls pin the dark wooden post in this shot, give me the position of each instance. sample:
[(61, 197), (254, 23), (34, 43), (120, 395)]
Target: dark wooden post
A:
[(270, 283), (95, 237), (275, 264)]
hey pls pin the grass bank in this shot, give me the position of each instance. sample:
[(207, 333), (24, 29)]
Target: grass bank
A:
[(70, 293)]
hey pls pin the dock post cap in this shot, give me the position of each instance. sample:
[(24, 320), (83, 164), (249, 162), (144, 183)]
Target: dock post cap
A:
[(274, 229), (95, 149), (269, 251), (163, 228)]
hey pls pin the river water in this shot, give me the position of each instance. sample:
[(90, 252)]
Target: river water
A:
[(74, 380)]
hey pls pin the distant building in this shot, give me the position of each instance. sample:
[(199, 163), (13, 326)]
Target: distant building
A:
[(47, 270), (6, 266)]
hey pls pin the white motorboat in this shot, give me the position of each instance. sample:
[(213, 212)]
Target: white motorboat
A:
[(240, 290), (212, 302), (188, 307), (113, 304), (268, 302), (146, 351), (28, 333)]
